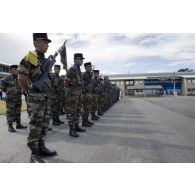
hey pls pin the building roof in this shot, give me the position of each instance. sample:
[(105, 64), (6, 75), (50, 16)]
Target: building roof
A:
[(151, 75), (4, 64)]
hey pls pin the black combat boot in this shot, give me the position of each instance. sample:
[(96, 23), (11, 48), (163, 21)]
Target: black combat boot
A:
[(72, 131), (91, 123), (93, 117), (43, 151), (50, 129), (96, 116), (85, 123), (20, 126), (100, 113), (79, 129), (11, 129), (55, 122), (35, 158), (59, 121)]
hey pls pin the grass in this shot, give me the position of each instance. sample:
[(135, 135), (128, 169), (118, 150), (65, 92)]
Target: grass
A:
[(3, 106)]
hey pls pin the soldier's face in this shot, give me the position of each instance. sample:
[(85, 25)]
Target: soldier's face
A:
[(78, 62), (14, 71), (41, 45), (96, 75), (88, 68), (57, 70)]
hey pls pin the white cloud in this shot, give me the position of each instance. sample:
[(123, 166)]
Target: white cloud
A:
[(110, 52)]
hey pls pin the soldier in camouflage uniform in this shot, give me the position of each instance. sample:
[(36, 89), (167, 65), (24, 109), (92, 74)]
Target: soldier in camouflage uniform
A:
[(29, 72), (55, 96), (100, 97), (62, 96), (87, 94), (13, 91), (95, 93), (73, 84)]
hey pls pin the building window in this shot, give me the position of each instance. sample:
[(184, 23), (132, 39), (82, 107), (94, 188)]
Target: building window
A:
[(140, 82), (191, 90), (193, 81), (189, 81), (131, 83), (136, 82)]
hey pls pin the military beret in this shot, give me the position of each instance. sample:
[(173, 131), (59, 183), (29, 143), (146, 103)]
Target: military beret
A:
[(87, 64), (57, 66), (96, 71), (41, 36), (78, 56), (13, 66)]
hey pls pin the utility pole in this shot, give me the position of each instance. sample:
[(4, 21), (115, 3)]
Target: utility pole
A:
[(174, 81)]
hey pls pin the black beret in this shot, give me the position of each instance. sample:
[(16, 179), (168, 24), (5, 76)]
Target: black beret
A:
[(96, 71), (13, 66), (41, 36), (78, 56), (57, 66), (87, 64)]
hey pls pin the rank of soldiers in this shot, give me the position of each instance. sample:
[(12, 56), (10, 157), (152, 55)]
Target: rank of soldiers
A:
[(76, 94)]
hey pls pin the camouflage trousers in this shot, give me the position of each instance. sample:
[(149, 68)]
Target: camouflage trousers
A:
[(61, 102), (94, 103), (55, 108), (13, 109), (87, 103), (74, 109), (100, 103), (40, 111)]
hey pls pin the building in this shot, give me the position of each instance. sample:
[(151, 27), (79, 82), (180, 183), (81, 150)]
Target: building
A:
[(155, 84), (4, 69)]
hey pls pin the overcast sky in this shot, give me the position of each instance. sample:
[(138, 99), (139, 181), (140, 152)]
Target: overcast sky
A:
[(112, 53)]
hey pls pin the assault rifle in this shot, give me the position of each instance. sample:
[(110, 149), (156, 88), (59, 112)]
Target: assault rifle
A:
[(43, 84)]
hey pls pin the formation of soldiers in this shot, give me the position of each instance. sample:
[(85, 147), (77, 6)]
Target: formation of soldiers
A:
[(76, 94)]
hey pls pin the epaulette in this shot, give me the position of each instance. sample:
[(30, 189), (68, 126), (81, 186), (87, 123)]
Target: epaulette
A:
[(32, 58)]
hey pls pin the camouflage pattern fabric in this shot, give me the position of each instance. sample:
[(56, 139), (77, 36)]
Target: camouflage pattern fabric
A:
[(73, 94), (39, 103), (95, 93), (13, 98), (55, 96), (87, 94)]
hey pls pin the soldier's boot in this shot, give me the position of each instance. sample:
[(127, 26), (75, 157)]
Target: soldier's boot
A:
[(79, 129), (59, 121), (50, 129), (44, 151), (72, 131), (11, 129), (20, 126), (85, 123), (93, 117), (91, 123), (35, 158), (96, 116), (100, 113), (55, 122)]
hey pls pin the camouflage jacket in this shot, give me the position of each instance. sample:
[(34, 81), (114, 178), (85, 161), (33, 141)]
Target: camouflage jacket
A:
[(87, 82), (96, 87), (10, 86), (73, 76), (55, 85), (31, 67)]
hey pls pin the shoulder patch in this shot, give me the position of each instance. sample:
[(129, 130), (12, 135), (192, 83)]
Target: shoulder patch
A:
[(32, 58)]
